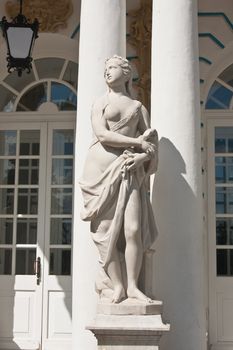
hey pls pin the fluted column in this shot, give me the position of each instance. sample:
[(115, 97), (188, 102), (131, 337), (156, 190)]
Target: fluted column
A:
[(102, 34), (177, 197)]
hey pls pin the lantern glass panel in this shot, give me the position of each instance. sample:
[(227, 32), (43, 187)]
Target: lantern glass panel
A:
[(19, 40)]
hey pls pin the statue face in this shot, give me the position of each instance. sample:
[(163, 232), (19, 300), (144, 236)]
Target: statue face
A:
[(113, 72)]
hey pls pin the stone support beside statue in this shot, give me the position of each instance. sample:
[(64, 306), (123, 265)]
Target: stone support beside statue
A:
[(177, 189), (102, 34)]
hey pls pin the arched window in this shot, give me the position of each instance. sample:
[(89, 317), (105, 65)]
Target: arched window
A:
[(221, 92), (53, 82)]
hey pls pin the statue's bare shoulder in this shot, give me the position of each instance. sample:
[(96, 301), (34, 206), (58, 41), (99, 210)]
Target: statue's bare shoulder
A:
[(99, 105)]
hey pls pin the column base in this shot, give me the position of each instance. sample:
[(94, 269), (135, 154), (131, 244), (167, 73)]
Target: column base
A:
[(128, 332)]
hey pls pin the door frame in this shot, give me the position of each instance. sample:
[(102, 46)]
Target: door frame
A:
[(53, 282)]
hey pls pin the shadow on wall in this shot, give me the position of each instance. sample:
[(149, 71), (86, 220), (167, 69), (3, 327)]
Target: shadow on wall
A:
[(174, 262)]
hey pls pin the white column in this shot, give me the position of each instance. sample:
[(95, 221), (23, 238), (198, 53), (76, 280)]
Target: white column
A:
[(102, 34), (177, 194)]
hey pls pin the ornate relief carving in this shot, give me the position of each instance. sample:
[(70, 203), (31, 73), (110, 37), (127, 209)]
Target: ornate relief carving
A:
[(51, 14), (140, 39)]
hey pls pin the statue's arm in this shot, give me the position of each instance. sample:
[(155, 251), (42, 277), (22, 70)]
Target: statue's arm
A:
[(106, 136), (144, 120), (143, 125)]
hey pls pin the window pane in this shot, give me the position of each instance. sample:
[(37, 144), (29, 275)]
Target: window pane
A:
[(59, 263), (62, 171), (60, 231), (33, 98), (25, 261), (7, 143), (63, 141), (224, 231), (224, 200), (26, 231), (71, 74), (223, 139), (6, 231), (221, 262), (7, 100), (224, 262), (5, 261), (219, 97), (7, 171), (227, 75), (28, 171), (29, 142), (220, 145), (6, 201), (19, 84), (61, 201), (223, 169), (63, 97), (49, 67), (28, 201)]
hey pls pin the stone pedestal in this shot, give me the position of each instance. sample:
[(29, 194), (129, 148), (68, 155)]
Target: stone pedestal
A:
[(128, 332), (139, 329)]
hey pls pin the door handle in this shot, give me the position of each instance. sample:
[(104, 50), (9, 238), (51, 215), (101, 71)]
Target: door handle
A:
[(37, 270)]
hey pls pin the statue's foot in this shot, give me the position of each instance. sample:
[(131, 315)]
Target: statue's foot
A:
[(135, 293), (118, 295)]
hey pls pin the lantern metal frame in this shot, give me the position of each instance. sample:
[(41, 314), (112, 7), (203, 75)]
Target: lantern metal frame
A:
[(20, 21)]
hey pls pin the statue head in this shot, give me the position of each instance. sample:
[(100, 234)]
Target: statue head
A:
[(126, 69)]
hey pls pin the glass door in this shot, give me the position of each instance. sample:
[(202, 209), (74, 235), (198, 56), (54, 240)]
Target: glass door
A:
[(36, 186), (220, 222), (22, 194)]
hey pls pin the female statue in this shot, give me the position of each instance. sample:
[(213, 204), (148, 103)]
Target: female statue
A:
[(115, 180)]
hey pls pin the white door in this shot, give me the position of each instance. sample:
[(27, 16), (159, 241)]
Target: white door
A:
[(220, 226), (36, 162)]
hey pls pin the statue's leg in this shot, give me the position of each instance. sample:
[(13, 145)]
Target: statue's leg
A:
[(114, 272), (99, 228), (134, 249)]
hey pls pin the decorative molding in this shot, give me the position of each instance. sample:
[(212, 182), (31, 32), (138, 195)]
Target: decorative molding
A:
[(213, 38), (205, 60), (140, 38), (217, 14), (51, 14), (75, 32)]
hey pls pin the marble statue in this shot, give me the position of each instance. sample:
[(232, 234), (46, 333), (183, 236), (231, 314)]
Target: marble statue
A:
[(115, 182)]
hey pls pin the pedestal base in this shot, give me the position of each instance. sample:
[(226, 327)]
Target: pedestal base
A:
[(130, 307), (128, 332)]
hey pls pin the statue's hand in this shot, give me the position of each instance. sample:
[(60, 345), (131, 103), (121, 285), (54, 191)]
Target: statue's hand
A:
[(150, 134), (146, 146), (135, 161)]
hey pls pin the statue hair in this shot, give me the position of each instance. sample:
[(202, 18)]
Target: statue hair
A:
[(127, 71)]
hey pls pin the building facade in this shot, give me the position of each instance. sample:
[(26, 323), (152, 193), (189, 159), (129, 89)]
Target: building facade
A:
[(182, 57)]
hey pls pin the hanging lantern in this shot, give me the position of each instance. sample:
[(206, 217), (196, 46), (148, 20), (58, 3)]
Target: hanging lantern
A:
[(20, 35)]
